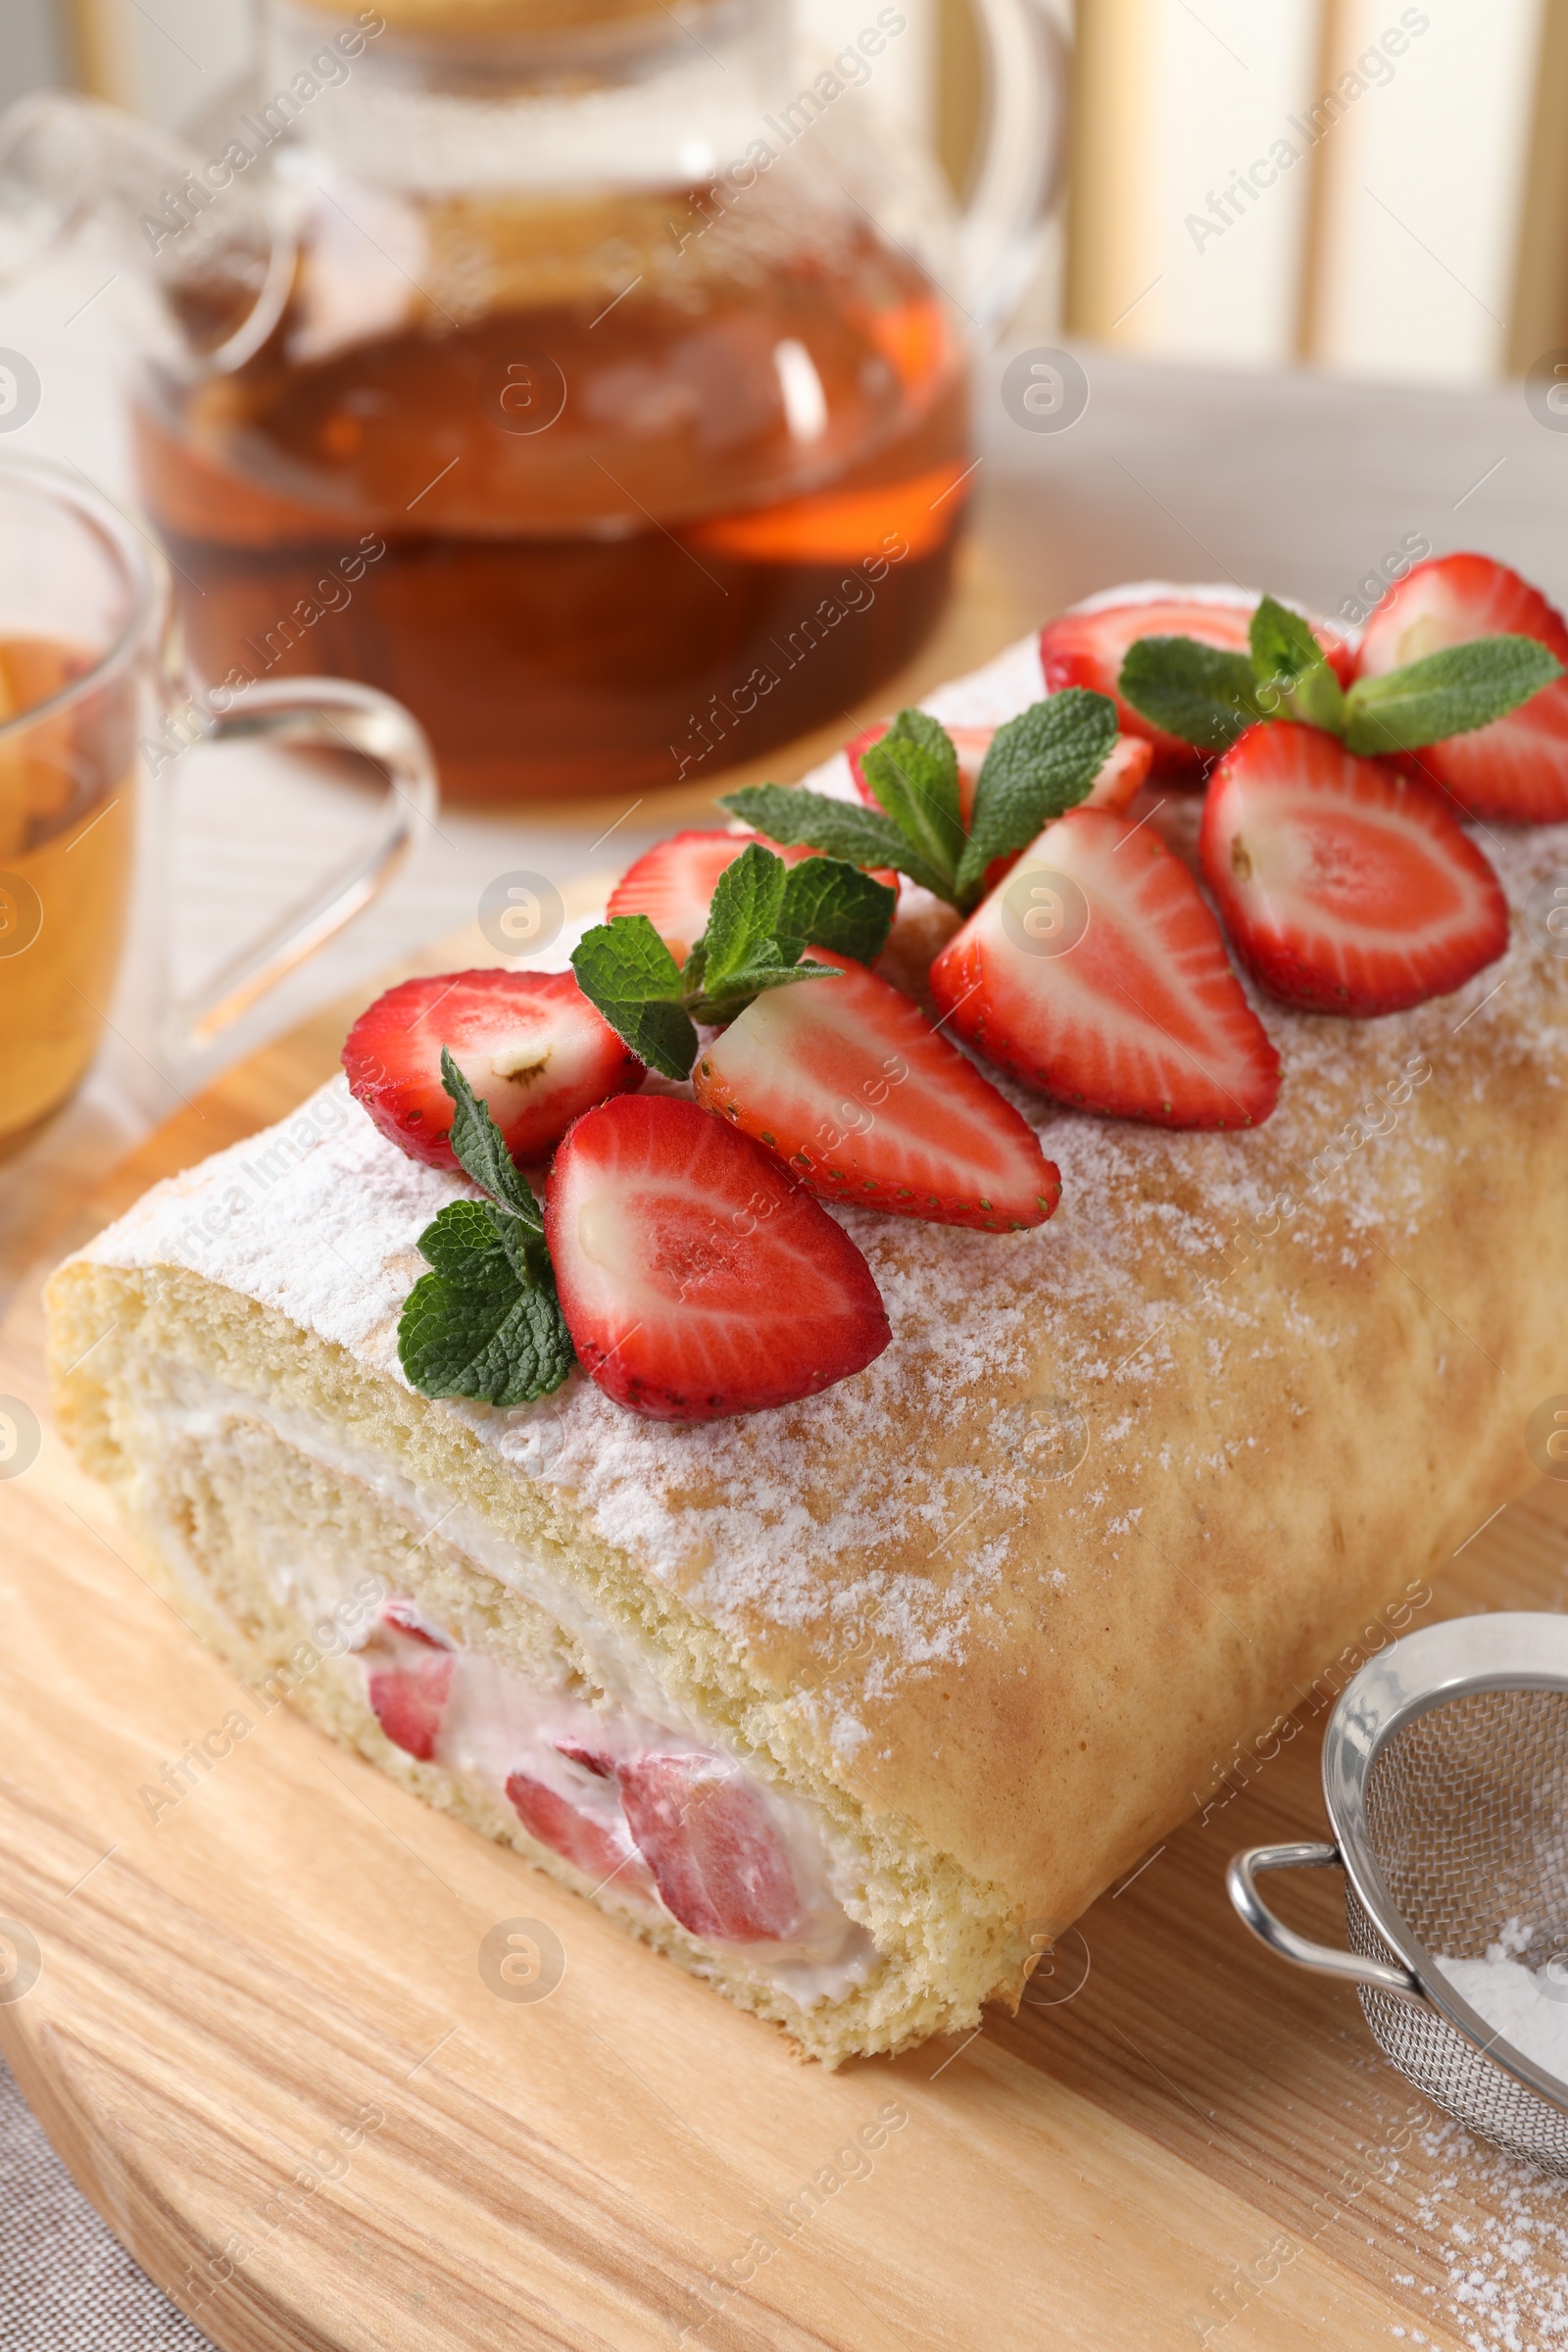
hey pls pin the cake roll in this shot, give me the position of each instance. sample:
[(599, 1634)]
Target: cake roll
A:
[(850, 1706)]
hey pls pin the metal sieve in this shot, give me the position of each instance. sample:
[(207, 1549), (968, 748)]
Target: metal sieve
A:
[(1446, 1778)]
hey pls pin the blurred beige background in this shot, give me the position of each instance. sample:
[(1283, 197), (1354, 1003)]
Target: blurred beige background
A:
[(1375, 188)]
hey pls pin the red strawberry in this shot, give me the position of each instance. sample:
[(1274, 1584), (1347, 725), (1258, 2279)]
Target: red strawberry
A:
[(718, 1863), (594, 1843), (1517, 768), (697, 1278), (1344, 886), (849, 1083), (408, 1671), (1140, 1015), (674, 883), (1088, 648), (1123, 778), (528, 1042)]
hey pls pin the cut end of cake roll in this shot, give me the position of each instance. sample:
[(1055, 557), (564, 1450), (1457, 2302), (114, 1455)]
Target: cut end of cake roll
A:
[(435, 1602)]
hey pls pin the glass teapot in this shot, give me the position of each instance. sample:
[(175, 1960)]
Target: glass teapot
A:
[(590, 375)]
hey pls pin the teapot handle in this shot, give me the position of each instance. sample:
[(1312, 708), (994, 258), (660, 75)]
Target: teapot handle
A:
[(1023, 151)]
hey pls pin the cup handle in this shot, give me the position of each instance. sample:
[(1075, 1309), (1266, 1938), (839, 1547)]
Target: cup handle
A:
[(1023, 150), (325, 713)]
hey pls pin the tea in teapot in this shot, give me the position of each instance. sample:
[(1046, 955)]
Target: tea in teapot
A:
[(566, 369)]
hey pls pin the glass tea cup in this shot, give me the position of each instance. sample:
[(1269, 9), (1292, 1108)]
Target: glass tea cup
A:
[(92, 697)]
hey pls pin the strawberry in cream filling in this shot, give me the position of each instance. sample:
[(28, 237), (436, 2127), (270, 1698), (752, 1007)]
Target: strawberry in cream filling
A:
[(408, 1671), (662, 1824)]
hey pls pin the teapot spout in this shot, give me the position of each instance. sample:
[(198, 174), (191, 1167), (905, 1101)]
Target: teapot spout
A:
[(215, 252)]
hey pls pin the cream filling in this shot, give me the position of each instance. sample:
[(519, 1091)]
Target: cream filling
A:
[(497, 1721)]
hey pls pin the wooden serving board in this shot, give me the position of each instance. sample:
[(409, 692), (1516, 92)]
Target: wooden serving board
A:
[(261, 2037)]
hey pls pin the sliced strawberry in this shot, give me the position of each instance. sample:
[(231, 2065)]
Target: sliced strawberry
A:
[(597, 1846), (720, 1866), (676, 880), (1140, 1016), (848, 1082), (1346, 887), (528, 1042), (1088, 648), (1124, 774), (409, 1669), (1517, 768), (697, 1278)]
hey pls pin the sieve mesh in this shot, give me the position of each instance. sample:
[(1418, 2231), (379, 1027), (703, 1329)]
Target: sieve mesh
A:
[(1465, 1814)]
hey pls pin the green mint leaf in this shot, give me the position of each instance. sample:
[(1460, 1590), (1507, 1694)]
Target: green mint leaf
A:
[(1040, 765), (743, 913), (833, 904), (626, 961), (485, 1321), (913, 770), (658, 1033), (1293, 680), (625, 967), (1465, 686), (743, 988), (1282, 644), (481, 1151), (1199, 692), (843, 828), (1315, 700)]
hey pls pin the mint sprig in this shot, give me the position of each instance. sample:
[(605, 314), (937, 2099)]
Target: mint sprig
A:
[(913, 770), (831, 903), (1294, 678), (1463, 687), (625, 967), (762, 917), (1038, 765), (485, 1321), (481, 1149), (844, 829), (1200, 693), (1209, 697)]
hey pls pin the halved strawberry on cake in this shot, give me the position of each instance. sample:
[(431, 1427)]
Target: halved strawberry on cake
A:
[(1088, 644), (1515, 768)]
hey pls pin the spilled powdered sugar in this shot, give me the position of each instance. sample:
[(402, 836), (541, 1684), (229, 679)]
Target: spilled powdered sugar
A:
[(1497, 2229)]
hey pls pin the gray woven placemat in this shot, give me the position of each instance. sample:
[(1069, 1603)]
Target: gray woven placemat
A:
[(66, 2282)]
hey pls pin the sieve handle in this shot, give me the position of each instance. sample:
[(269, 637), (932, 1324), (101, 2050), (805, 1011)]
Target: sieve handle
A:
[(1241, 1883)]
